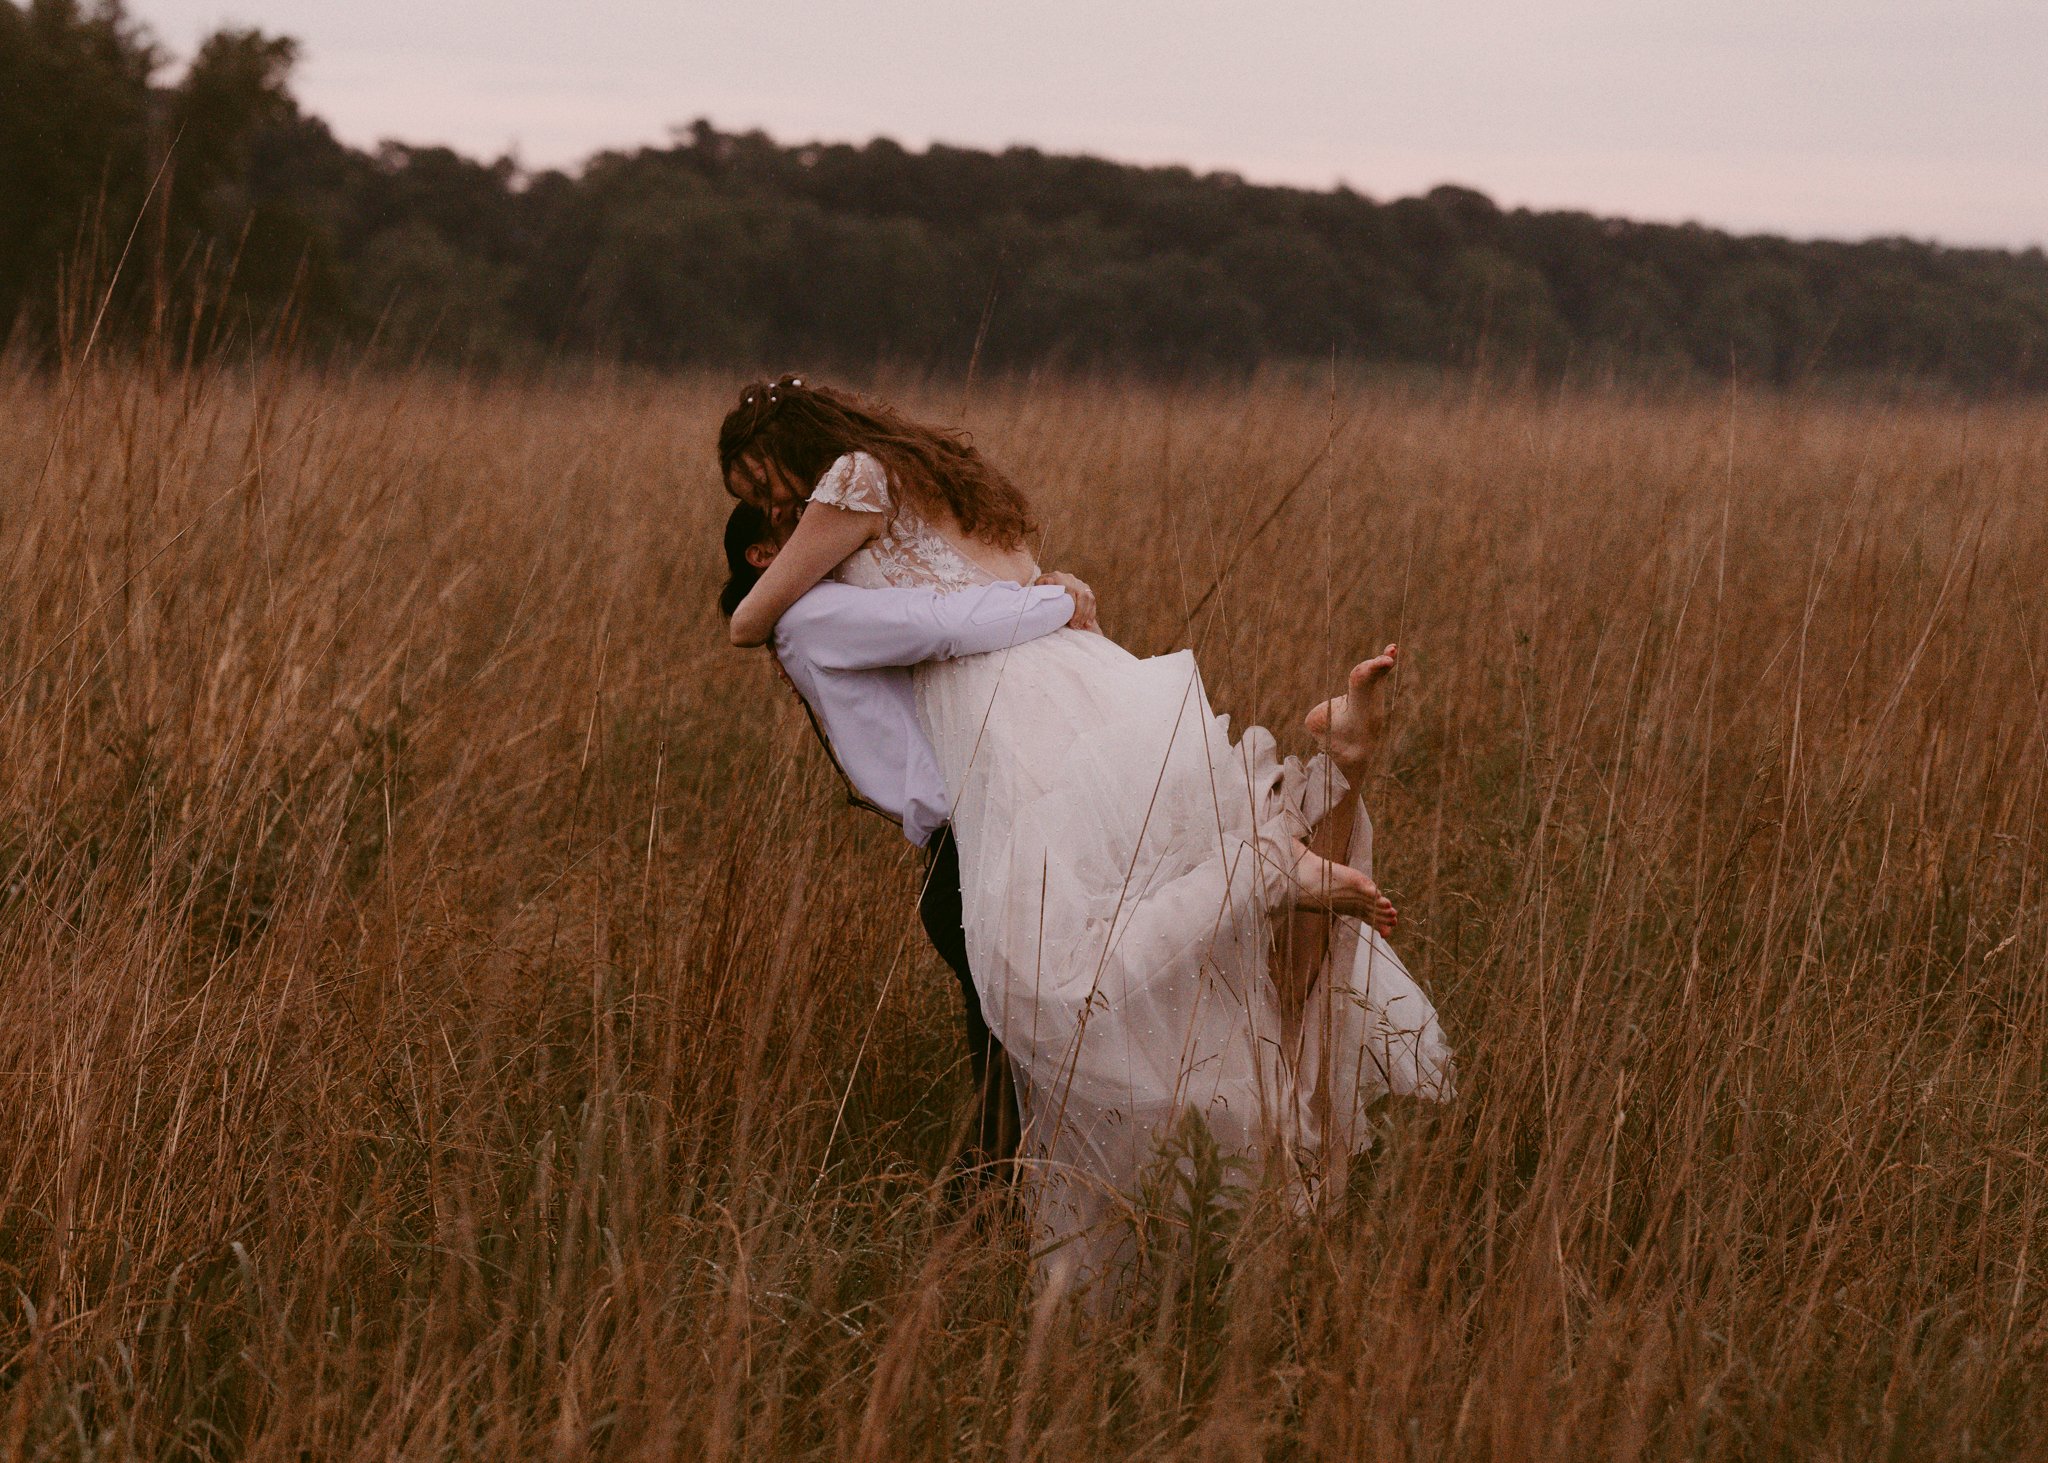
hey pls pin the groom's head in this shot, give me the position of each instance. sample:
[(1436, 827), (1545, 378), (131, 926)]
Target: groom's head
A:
[(751, 541)]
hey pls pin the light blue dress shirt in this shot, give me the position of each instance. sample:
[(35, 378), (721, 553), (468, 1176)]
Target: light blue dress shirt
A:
[(848, 652)]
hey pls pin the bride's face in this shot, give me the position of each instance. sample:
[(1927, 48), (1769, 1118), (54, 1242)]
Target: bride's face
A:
[(767, 485)]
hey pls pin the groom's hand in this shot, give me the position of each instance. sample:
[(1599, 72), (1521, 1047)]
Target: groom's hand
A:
[(1084, 600)]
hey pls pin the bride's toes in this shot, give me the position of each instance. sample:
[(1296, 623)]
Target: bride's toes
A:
[(1368, 671), (1381, 915)]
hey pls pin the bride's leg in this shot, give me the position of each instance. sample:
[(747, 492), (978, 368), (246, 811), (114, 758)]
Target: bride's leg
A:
[(1302, 940), (1349, 727)]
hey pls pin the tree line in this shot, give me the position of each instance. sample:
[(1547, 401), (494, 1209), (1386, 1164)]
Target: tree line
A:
[(216, 207)]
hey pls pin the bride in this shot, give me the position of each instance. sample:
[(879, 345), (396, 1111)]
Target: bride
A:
[(1124, 865)]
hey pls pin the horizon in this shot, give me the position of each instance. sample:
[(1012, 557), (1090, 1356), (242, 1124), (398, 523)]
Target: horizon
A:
[(1919, 125), (678, 137)]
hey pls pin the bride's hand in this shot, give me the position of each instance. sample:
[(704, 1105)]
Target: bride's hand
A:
[(1084, 600)]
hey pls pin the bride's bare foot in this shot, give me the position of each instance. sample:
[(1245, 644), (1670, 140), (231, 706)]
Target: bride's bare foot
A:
[(1327, 887), (1350, 725)]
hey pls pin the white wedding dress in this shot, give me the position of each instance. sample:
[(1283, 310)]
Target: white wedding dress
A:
[(1119, 859)]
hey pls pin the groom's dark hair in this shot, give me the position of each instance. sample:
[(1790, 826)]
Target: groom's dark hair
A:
[(746, 527)]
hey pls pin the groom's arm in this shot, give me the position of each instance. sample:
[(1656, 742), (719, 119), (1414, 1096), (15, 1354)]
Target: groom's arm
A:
[(838, 627)]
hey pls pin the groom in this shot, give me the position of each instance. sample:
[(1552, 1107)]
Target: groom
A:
[(847, 652)]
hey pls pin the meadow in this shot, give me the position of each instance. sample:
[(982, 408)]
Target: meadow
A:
[(447, 1009)]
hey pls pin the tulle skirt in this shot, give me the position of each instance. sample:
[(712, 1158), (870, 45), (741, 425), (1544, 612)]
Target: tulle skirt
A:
[(1119, 859)]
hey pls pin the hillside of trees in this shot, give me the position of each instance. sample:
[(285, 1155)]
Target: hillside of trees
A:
[(235, 209)]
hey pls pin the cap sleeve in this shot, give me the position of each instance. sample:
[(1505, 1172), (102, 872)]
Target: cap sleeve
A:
[(856, 481)]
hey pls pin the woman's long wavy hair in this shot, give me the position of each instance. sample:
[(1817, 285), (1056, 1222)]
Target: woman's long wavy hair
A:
[(804, 429)]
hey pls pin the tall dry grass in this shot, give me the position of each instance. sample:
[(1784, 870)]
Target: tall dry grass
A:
[(448, 1011)]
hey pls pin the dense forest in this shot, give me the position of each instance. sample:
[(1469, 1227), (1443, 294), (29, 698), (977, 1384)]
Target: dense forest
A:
[(215, 208)]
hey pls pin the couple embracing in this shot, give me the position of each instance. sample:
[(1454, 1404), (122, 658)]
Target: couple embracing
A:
[(1149, 921)]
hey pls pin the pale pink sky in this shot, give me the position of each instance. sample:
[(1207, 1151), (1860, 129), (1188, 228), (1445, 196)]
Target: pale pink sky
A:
[(1811, 117)]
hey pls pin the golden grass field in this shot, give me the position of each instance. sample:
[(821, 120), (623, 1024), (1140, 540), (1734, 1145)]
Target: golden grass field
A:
[(448, 1011)]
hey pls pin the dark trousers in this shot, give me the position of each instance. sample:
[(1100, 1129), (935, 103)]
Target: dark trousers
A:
[(995, 1106)]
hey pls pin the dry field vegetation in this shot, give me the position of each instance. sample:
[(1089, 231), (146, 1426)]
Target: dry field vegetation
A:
[(446, 1009)]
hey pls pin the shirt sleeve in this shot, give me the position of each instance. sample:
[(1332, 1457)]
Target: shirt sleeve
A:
[(856, 481), (997, 616), (863, 629)]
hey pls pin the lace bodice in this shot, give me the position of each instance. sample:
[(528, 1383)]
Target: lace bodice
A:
[(908, 553)]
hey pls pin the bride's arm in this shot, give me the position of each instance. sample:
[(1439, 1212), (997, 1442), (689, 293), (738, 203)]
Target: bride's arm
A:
[(824, 536)]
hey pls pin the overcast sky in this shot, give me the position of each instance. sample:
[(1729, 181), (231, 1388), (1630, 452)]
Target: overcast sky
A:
[(1812, 117)]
